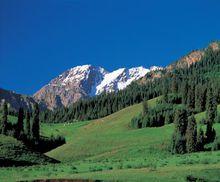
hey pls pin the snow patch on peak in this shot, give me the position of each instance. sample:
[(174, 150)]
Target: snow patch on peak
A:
[(120, 79), (79, 73), (82, 67), (155, 68), (138, 71)]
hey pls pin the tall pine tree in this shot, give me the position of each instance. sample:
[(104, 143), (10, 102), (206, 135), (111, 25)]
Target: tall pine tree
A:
[(20, 126), (211, 106), (27, 124), (200, 140), (4, 119), (145, 107), (191, 135), (211, 111), (184, 91), (200, 96), (191, 97), (35, 125), (179, 139)]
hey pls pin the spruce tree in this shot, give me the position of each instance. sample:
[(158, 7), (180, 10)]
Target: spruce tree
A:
[(27, 124), (179, 140), (4, 119), (174, 86), (168, 118), (200, 95), (200, 140), (210, 133), (184, 92), (191, 135), (165, 98), (191, 97), (211, 106), (211, 111), (20, 126), (35, 125), (145, 107)]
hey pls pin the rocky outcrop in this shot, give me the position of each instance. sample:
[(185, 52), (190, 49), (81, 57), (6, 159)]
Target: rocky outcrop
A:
[(187, 60)]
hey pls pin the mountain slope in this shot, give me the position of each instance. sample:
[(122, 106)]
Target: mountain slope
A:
[(86, 81), (16, 100), (73, 84)]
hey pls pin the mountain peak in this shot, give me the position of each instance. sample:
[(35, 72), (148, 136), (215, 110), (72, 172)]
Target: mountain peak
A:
[(86, 81)]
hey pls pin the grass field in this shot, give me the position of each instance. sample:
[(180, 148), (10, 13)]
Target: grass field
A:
[(109, 149)]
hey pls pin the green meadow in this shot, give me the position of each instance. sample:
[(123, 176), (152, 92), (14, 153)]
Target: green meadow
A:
[(108, 149)]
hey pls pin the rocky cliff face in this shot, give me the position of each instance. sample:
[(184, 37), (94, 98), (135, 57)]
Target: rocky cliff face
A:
[(187, 60), (72, 85), (86, 81)]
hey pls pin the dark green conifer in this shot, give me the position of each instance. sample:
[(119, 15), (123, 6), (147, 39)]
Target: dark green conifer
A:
[(35, 125), (191, 135), (4, 119), (179, 139), (200, 140), (145, 107), (27, 124), (191, 97), (211, 106), (20, 126)]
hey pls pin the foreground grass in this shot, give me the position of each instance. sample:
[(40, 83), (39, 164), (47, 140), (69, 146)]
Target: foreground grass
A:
[(204, 165)]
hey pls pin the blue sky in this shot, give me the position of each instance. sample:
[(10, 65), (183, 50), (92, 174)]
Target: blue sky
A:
[(41, 39)]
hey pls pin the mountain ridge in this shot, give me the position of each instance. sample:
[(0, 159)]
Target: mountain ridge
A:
[(86, 81)]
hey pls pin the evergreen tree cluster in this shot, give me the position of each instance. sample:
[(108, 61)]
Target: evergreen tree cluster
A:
[(154, 117), (25, 128), (186, 138)]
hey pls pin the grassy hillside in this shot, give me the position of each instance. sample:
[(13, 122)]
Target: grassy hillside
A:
[(111, 137), (109, 149), (14, 152)]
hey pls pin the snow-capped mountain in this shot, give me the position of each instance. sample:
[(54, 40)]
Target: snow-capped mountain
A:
[(120, 79), (87, 81)]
